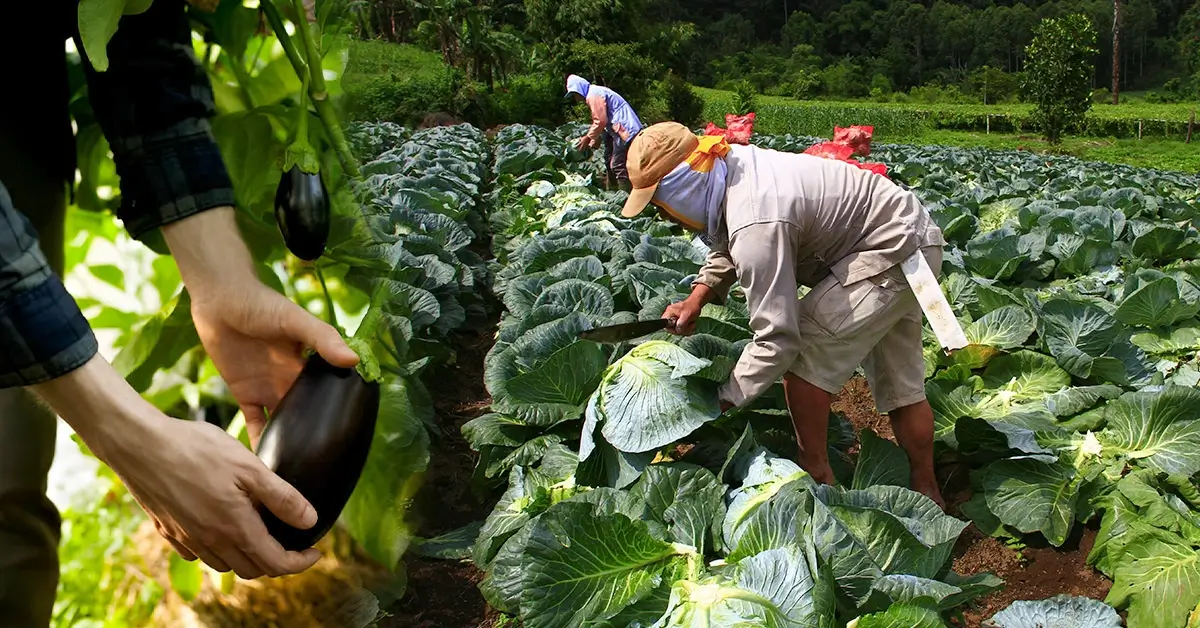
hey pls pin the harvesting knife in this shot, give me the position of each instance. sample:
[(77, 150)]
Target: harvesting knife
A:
[(626, 331)]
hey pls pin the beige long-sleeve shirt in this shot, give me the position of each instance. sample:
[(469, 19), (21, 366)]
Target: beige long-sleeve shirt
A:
[(793, 219)]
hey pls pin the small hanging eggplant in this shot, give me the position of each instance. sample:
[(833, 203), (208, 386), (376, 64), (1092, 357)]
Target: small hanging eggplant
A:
[(318, 440), (301, 200), (302, 213)]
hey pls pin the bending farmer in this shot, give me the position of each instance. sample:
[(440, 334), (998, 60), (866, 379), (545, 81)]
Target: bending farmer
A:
[(613, 118), (199, 485), (776, 221)]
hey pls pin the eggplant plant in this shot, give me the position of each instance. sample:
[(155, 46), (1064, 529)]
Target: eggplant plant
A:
[(301, 199), (367, 427)]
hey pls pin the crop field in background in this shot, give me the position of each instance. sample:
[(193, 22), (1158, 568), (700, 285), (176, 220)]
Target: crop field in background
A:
[(901, 120), (1150, 152)]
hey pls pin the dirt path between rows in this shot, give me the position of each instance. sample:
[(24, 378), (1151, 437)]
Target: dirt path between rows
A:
[(440, 593)]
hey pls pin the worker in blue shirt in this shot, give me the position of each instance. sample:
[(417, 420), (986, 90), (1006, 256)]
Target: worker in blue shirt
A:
[(613, 121)]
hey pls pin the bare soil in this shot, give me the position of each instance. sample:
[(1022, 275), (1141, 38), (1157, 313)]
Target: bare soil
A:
[(858, 406), (443, 593), (1034, 573)]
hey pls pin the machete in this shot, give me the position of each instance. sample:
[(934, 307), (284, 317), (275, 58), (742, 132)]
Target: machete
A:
[(626, 331)]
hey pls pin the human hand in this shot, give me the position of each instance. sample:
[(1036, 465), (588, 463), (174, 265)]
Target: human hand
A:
[(201, 488), (256, 338), (583, 143), (685, 313), (254, 335), (197, 483)]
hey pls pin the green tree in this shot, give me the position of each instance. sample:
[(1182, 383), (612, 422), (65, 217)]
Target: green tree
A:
[(1189, 42), (801, 28), (466, 36), (625, 68), (560, 22), (1058, 73), (992, 85), (682, 104)]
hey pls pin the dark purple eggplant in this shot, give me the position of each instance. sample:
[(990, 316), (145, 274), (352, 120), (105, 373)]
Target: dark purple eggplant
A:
[(318, 440), (302, 213)]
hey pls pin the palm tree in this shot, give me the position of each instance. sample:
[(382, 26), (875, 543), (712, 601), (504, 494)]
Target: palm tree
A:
[(489, 53), (442, 21), (1116, 59)]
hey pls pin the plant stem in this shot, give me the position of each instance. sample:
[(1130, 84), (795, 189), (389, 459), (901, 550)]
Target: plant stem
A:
[(340, 144), (330, 315), (317, 88), (312, 51), (275, 19), (302, 124), (238, 65), (258, 53)]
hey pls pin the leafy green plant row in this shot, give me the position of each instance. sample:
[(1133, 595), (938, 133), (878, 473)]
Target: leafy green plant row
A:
[(1077, 286), (604, 515)]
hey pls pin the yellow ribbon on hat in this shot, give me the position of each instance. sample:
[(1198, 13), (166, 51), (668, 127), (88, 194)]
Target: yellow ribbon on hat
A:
[(711, 148)]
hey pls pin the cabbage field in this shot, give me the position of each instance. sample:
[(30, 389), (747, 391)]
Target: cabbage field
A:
[(625, 500)]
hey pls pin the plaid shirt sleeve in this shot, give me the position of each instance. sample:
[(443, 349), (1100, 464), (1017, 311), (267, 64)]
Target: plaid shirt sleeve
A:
[(153, 104), (42, 331)]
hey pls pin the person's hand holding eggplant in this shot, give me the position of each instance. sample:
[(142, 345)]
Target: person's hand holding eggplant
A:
[(202, 488)]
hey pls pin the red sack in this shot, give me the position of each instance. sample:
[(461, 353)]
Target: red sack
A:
[(830, 150), (849, 141), (879, 169), (713, 129), (739, 128), (856, 137)]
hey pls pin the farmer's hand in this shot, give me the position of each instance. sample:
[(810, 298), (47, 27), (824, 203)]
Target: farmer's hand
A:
[(685, 313), (197, 483), (584, 143), (254, 335)]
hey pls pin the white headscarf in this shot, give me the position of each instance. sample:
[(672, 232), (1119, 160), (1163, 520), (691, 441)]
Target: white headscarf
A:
[(693, 193), (578, 85)]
